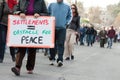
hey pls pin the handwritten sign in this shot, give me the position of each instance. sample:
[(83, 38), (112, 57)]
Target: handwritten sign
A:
[(31, 32)]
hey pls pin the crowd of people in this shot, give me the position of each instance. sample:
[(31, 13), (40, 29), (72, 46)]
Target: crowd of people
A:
[(67, 31), (90, 35)]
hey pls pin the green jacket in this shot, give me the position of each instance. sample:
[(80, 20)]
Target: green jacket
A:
[(103, 34)]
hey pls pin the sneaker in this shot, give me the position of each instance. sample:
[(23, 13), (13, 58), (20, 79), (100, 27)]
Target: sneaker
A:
[(60, 64), (30, 72), (67, 58), (16, 71), (52, 62)]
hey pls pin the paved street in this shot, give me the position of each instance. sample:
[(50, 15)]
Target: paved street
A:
[(91, 63)]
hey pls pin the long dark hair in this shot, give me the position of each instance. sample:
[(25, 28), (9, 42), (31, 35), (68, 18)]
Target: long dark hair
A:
[(76, 10)]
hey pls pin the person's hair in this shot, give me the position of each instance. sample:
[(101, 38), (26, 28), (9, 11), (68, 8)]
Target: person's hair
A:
[(76, 10)]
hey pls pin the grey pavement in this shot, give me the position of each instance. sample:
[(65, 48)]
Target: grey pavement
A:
[(91, 63)]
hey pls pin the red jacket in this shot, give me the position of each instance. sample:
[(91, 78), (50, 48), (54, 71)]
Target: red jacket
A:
[(111, 33), (12, 3)]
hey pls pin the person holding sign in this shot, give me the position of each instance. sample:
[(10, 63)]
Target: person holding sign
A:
[(36, 8), (62, 13), (6, 7)]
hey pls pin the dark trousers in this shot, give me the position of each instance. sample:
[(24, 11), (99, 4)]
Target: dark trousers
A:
[(102, 42), (30, 59), (12, 52), (3, 31), (59, 45)]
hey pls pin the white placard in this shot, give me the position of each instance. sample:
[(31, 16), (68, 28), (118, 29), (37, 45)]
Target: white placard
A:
[(31, 32)]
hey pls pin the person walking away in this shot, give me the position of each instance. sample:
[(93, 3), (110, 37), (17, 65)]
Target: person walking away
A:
[(72, 30), (111, 35), (102, 36), (90, 35), (62, 13), (6, 7), (35, 8), (82, 34), (94, 36)]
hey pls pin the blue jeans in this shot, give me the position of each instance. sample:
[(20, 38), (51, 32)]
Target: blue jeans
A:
[(89, 39), (110, 42), (92, 38), (3, 31), (82, 39), (59, 45)]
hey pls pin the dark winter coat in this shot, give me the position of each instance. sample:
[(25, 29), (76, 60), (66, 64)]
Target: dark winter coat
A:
[(103, 34), (75, 23), (111, 33), (39, 7)]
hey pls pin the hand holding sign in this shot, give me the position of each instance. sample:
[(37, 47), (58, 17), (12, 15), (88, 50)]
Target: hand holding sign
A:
[(31, 32), (22, 15), (36, 15)]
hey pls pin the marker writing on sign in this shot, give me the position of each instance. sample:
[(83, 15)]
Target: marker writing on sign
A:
[(25, 32), (34, 40), (31, 22)]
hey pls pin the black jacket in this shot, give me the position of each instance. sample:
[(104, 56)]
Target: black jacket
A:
[(75, 23), (90, 31), (39, 7), (4, 14)]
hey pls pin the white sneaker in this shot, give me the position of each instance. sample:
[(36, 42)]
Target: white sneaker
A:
[(60, 63), (52, 62)]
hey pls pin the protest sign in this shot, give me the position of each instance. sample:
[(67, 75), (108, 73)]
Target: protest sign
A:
[(31, 32)]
